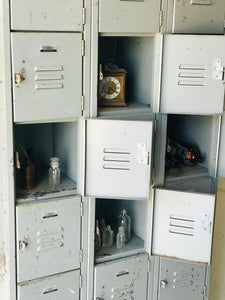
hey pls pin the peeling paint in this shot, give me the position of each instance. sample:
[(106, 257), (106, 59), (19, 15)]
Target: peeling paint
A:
[(3, 270)]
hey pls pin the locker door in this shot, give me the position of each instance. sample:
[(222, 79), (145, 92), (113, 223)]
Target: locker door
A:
[(192, 74), (181, 280), (119, 15), (47, 76), (198, 16), (49, 15), (118, 158), (123, 279), (58, 287), (183, 225), (48, 238)]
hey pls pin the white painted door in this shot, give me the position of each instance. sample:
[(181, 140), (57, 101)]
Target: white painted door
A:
[(192, 74), (183, 225), (48, 238), (118, 158), (48, 15), (129, 16), (47, 76), (58, 287)]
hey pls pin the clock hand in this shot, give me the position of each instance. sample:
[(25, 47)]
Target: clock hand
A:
[(111, 89)]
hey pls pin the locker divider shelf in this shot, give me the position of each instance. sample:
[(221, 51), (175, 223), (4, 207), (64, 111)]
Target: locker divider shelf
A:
[(185, 172)]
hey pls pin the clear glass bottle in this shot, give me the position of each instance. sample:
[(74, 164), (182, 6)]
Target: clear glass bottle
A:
[(125, 221), (97, 236), (120, 238), (108, 237), (54, 173)]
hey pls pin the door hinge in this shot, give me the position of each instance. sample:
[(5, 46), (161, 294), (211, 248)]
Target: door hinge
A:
[(84, 15), (83, 48), (160, 18), (81, 255), (149, 266), (204, 291), (82, 103), (80, 282), (81, 209)]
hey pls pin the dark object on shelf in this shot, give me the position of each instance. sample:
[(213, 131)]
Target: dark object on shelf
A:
[(178, 153)]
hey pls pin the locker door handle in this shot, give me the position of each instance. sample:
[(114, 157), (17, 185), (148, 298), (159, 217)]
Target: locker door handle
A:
[(163, 284), (98, 298), (23, 244), (19, 78)]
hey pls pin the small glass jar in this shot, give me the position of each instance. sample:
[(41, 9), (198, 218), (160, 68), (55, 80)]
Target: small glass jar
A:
[(54, 173), (108, 237), (120, 238)]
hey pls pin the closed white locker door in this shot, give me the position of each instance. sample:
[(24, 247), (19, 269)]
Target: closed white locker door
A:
[(183, 225), (47, 76), (198, 16), (48, 238), (192, 74), (122, 279), (129, 15), (58, 287), (118, 157), (49, 15)]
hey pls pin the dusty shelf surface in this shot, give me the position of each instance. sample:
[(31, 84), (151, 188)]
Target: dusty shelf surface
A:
[(185, 172)]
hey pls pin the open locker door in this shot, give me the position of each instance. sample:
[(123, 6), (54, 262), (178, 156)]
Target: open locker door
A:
[(183, 225), (118, 158)]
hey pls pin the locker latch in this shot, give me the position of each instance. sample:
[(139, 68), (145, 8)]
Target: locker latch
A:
[(163, 284), (19, 78), (142, 155), (218, 69), (23, 244)]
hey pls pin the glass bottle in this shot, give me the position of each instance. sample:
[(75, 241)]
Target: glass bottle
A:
[(120, 238), (108, 237), (125, 221), (97, 236), (54, 173)]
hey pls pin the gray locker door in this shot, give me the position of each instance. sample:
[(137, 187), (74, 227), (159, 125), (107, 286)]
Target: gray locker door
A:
[(179, 280), (48, 238), (123, 279), (118, 158), (198, 16), (119, 15), (183, 225), (62, 286), (192, 74), (49, 15), (47, 76)]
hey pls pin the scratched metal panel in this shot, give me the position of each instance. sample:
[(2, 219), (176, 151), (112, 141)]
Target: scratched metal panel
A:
[(51, 15), (122, 279), (58, 287), (47, 76), (48, 238)]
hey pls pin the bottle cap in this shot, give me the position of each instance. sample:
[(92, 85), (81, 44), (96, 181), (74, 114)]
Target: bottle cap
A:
[(54, 162)]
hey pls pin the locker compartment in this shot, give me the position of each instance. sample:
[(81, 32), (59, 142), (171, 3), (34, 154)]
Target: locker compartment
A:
[(58, 287), (183, 225), (50, 15), (48, 238), (180, 280), (122, 279), (47, 76), (192, 74), (41, 142), (107, 213), (119, 16), (140, 58), (118, 158)]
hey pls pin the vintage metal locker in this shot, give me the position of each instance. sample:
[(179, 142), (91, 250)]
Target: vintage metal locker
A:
[(50, 15), (57, 287), (183, 225), (192, 74), (48, 238), (118, 16), (122, 279), (118, 158), (47, 76)]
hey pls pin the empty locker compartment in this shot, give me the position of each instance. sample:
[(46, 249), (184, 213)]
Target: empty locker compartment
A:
[(140, 58), (122, 279), (58, 287), (111, 213), (47, 76), (48, 237), (35, 144), (50, 15), (119, 16), (192, 74)]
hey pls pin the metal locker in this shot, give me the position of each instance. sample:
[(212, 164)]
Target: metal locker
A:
[(122, 279), (50, 15), (48, 238), (119, 15), (58, 287), (118, 158), (198, 16), (183, 225), (47, 76), (192, 74)]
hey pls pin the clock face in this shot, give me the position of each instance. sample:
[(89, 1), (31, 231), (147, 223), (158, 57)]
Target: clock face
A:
[(109, 87)]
